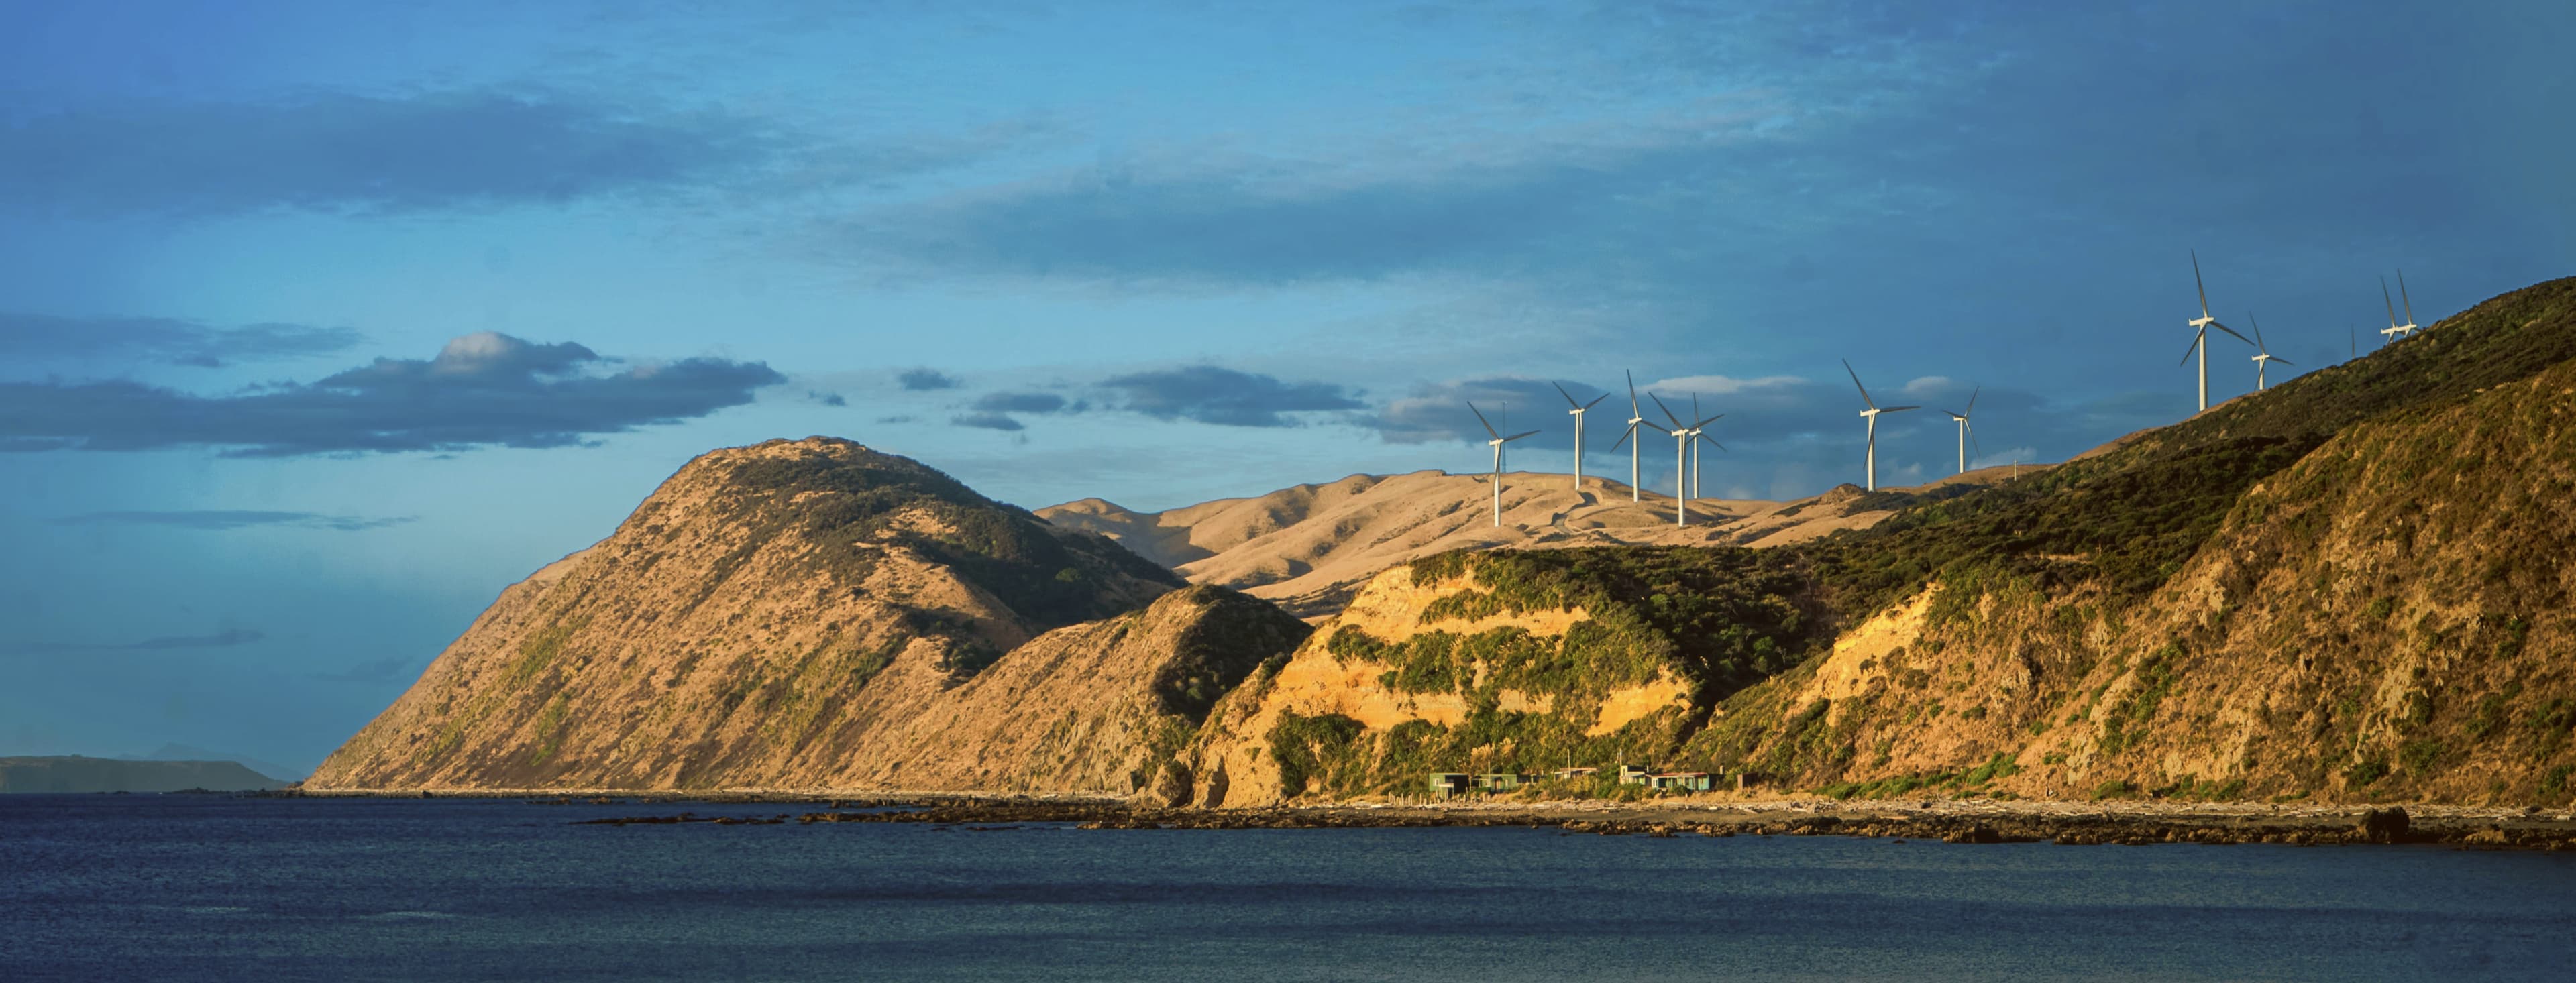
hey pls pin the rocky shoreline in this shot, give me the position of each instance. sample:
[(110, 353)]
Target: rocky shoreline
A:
[(1952, 822)]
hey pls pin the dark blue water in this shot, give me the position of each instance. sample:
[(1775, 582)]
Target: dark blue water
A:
[(190, 887)]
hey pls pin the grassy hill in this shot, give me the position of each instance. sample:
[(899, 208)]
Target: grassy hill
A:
[(2349, 586)]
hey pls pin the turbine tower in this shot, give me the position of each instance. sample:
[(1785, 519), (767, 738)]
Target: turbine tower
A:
[(1635, 451), (1498, 441), (2265, 358), (2395, 330), (2202, 324), (1577, 413), (1871, 415), (1681, 434), (1965, 436)]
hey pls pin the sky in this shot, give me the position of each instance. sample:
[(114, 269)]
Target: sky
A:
[(320, 323)]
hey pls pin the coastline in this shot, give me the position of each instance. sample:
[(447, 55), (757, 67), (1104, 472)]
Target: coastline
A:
[(2125, 822)]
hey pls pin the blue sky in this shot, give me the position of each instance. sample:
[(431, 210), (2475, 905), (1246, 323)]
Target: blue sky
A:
[(320, 324)]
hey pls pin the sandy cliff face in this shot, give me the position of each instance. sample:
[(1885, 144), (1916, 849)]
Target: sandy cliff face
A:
[(1527, 661), (785, 615)]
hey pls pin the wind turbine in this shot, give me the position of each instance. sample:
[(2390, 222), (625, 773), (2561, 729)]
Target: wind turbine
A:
[(1871, 415), (1635, 451), (1965, 436), (1498, 441), (2263, 360), (2395, 330), (1577, 413), (1681, 434), (2200, 341), (1699, 435)]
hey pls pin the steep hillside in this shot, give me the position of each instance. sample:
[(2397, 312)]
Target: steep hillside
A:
[(1310, 547), (2385, 619), (2349, 587), (1509, 660), (768, 617)]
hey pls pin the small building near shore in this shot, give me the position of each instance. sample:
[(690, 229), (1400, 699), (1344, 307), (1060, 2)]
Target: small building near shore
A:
[(1499, 782), (1562, 774), (1633, 775), (1449, 784), (1681, 781)]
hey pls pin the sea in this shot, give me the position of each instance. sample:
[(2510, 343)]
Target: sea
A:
[(184, 887)]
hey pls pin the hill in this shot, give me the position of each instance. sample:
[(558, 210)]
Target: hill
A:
[(2351, 587), (74, 773), (1310, 547), (788, 615)]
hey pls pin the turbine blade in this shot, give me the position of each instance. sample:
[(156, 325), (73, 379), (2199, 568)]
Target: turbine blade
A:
[(1480, 418), (1972, 441), (2230, 330), (1897, 409), (1518, 436), (1708, 421), (2401, 295), (1864, 390), (2391, 305), (2186, 352), (2196, 282), (1569, 397), (1632, 393), (1668, 411), (1972, 400), (2281, 360), (1623, 436), (1596, 401)]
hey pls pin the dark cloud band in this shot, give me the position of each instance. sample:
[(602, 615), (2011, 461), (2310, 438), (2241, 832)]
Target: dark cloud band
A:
[(223, 519), (483, 390)]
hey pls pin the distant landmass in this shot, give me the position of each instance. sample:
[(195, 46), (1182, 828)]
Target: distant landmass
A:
[(190, 752), (2351, 587), (74, 773)]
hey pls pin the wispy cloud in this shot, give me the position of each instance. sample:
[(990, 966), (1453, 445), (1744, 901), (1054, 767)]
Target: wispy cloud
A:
[(988, 421), (482, 390), (925, 379), (1017, 402), (1225, 397), (223, 519), (225, 638), (172, 341), (338, 152)]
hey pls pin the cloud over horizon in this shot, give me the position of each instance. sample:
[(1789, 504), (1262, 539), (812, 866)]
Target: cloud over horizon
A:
[(483, 389), (170, 341), (1226, 397), (224, 519)]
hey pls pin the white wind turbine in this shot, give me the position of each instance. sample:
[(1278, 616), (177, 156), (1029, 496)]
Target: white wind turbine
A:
[(2202, 324), (1699, 435), (1871, 414), (1577, 412), (1965, 434), (1681, 434), (1635, 451), (2395, 330), (1498, 441), (2265, 358)]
